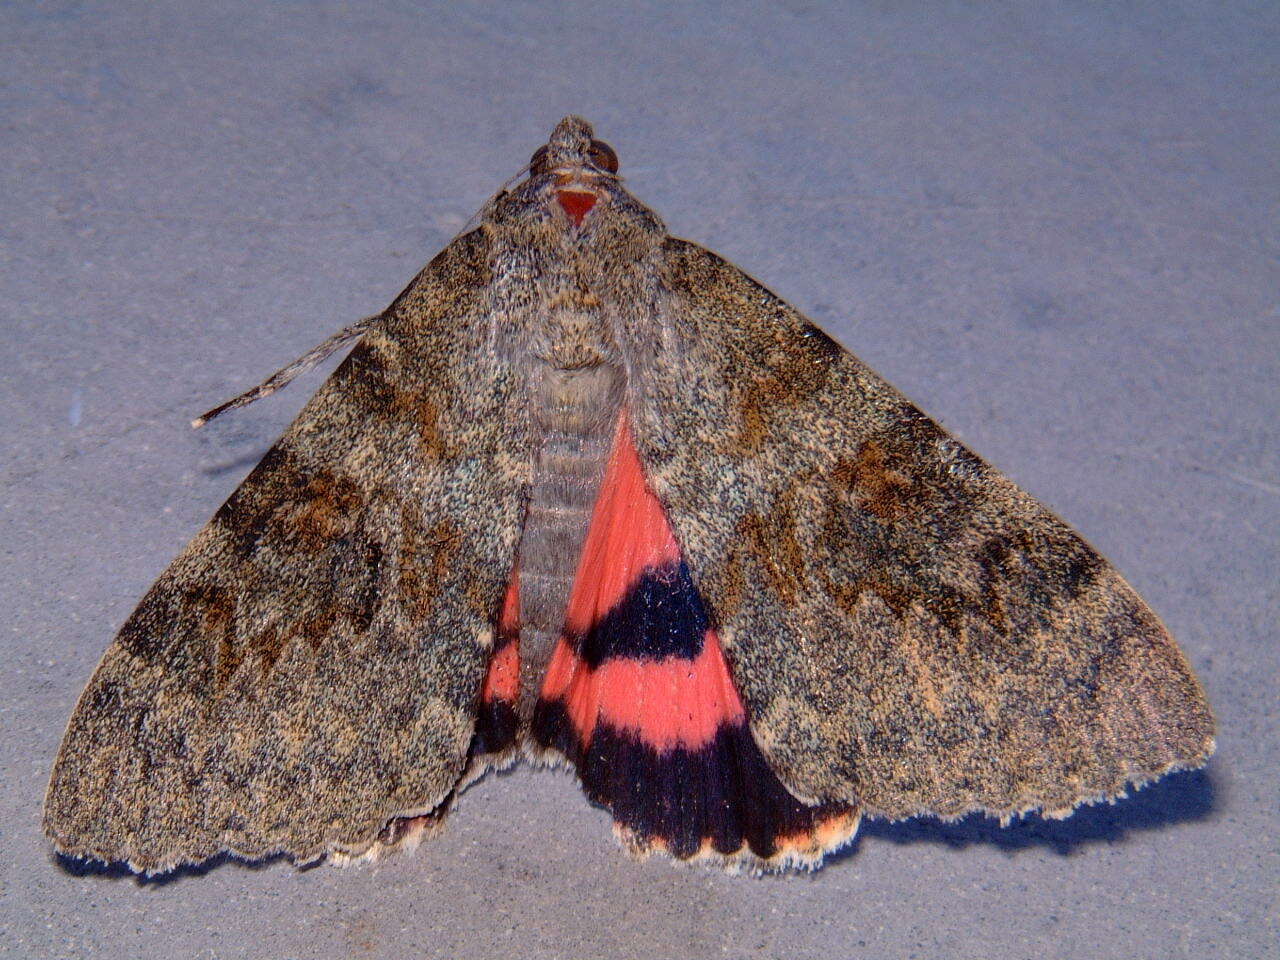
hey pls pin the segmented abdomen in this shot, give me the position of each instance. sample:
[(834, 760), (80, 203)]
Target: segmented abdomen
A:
[(574, 412)]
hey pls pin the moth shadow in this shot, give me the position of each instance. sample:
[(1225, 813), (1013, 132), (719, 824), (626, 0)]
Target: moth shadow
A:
[(1177, 798), (78, 867), (236, 464), (229, 447)]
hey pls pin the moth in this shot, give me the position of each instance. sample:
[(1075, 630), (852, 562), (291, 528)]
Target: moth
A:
[(588, 494)]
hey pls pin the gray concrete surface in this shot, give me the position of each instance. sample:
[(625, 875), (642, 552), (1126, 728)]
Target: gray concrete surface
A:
[(1054, 224)]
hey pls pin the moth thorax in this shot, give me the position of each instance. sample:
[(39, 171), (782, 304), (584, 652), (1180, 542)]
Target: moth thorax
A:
[(573, 334)]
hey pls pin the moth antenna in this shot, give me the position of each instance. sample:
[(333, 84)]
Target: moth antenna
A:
[(283, 377), (523, 171), (488, 204), (615, 177)]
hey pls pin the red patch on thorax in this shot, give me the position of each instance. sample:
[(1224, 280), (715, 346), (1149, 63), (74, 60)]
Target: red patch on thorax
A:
[(576, 204)]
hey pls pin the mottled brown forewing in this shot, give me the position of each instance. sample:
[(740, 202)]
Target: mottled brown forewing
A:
[(911, 632), (308, 667)]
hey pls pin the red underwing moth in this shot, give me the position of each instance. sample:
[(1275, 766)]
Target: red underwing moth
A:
[(588, 494)]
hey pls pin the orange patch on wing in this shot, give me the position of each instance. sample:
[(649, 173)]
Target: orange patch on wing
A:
[(639, 697), (629, 533), (502, 682), (667, 703)]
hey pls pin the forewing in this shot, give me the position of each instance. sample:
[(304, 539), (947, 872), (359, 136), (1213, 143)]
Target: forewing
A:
[(309, 667), (909, 630)]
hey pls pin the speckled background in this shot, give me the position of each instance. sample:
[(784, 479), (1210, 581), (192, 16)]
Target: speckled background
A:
[(1053, 224)]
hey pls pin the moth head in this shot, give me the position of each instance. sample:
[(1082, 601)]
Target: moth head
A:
[(576, 167), (573, 148)]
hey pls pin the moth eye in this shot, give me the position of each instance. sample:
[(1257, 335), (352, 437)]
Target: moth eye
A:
[(601, 155), (538, 162)]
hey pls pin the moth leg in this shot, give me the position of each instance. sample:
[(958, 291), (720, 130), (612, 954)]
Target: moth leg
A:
[(283, 377)]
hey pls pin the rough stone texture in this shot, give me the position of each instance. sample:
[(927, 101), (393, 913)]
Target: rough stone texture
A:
[(1051, 225)]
